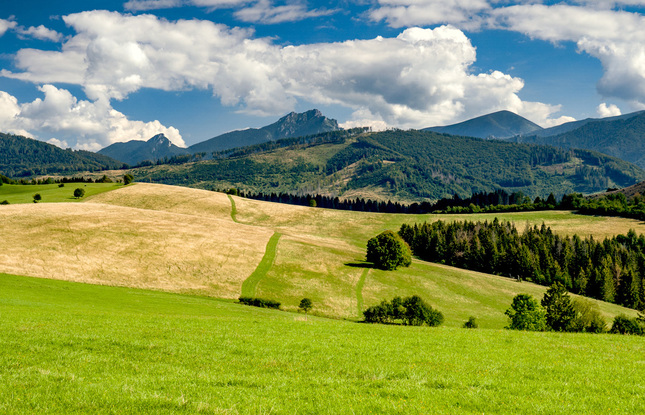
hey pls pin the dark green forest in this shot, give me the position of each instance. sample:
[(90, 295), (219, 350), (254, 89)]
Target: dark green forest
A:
[(402, 165), (24, 157), (609, 270)]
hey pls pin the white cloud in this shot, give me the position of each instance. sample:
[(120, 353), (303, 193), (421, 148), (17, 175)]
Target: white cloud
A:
[(265, 12), (58, 143), (6, 25), (422, 77), (605, 110), (616, 38), (405, 13), (143, 5), (85, 125), (40, 32)]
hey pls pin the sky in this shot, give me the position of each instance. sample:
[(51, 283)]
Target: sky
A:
[(85, 74)]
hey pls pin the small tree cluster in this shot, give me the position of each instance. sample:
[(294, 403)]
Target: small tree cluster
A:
[(127, 179), (388, 251), (259, 302), (409, 311), (556, 312)]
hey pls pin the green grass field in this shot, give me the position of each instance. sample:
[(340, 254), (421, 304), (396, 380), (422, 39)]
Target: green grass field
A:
[(73, 348), (51, 193)]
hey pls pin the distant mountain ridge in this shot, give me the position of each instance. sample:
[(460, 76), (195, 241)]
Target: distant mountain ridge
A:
[(622, 137), (291, 125), (501, 124), (159, 147), (136, 151)]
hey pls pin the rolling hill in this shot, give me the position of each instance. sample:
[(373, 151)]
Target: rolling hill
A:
[(401, 165), (22, 157), (194, 241), (501, 124), (622, 137)]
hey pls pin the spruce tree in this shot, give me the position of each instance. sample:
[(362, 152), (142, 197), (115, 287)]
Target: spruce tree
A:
[(559, 309)]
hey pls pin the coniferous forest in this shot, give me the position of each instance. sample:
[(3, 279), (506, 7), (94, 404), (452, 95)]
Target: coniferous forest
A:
[(609, 270)]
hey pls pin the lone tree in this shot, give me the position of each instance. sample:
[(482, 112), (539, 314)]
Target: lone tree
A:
[(127, 179), (305, 305), (79, 193), (559, 309), (526, 314), (37, 198), (388, 251)]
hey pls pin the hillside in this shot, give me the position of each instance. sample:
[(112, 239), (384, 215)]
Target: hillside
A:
[(194, 241), (403, 165), (21, 156), (291, 125), (623, 138), (574, 125), (501, 124), (134, 152)]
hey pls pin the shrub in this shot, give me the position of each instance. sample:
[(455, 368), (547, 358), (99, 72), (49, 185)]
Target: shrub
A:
[(4, 202), (37, 197), (61, 185), (410, 311), (79, 192), (259, 302), (388, 251), (127, 179), (625, 325), (587, 317), (471, 323), (526, 313)]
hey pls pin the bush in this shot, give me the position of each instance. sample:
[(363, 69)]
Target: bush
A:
[(410, 311), (388, 251), (471, 323), (127, 179), (587, 317), (625, 325), (526, 314), (305, 305), (79, 192), (259, 302), (37, 197), (61, 185), (4, 202)]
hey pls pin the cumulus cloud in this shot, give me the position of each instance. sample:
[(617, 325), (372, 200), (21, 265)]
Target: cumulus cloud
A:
[(605, 110), (83, 124), (404, 13), (420, 78), (40, 32), (6, 25)]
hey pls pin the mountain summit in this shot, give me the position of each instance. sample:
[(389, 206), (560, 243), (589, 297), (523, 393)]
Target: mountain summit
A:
[(136, 151), (501, 124), (291, 125)]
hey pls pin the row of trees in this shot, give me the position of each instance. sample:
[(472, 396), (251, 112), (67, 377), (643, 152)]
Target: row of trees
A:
[(557, 312), (609, 270)]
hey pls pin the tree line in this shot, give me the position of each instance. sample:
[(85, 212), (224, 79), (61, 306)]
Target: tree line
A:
[(610, 270)]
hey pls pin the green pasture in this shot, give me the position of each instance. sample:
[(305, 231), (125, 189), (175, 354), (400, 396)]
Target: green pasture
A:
[(51, 193), (70, 348)]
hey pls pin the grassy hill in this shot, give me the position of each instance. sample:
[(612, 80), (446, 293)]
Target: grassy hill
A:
[(76, 348), (188, 240), (52, 193), (403, 165)]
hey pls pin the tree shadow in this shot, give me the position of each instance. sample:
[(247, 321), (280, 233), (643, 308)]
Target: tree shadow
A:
[(360, 264)]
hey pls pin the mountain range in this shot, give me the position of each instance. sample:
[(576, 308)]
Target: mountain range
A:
[(501, 124), (159, 147)]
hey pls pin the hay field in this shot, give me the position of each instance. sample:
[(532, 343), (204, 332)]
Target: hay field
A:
[(185, 240)]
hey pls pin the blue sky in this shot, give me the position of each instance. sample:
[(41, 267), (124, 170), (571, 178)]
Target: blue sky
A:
[(85, 74)]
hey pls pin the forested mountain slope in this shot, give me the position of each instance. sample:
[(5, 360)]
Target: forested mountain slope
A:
[(405, 165)]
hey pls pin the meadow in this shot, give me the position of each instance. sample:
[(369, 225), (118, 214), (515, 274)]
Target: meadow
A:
[(194, 241), (52, 193)]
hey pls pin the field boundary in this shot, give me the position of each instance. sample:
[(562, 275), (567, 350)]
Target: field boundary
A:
[(251, 283), (359, 292)]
